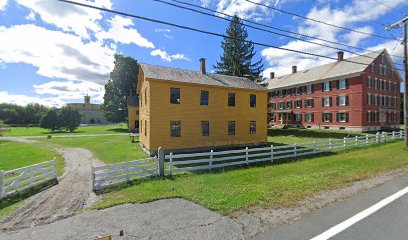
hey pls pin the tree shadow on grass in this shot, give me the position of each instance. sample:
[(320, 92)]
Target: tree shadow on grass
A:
[(118, 130)]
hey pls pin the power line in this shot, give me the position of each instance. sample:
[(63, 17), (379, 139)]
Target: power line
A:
[(260, 29), (317, 21), (271, 27), (352, 14), (392, 8), (205, 31)]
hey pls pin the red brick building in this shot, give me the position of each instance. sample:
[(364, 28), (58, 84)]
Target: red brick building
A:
[(343, 95)]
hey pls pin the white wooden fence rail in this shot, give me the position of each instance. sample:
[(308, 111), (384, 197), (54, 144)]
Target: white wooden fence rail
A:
[(21, 179), (114, 174), (211, 160)]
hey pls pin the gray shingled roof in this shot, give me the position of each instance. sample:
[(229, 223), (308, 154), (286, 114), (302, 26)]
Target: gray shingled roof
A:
[(187, 76), (328, 71)]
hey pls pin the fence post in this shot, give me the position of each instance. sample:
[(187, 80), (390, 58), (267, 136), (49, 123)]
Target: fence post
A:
[(356, 143), (271, 153), (384, 136), (55, 167), (171, 163), (393, 135), (93, 178), (377, 137), (314, 147), (246, 156), (366, 139), (211, 158), (400, 134), (345, 142), (295, 149), (160, 153), (330, 144), (2, 194)]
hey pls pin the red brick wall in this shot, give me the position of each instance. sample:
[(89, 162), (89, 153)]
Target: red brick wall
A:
[(357, 108)]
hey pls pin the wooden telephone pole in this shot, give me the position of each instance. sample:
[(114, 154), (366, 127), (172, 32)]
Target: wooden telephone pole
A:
[(403, 23)]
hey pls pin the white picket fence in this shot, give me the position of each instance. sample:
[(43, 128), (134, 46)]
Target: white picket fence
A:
[(21, 179), (218, 159), (114, 174)]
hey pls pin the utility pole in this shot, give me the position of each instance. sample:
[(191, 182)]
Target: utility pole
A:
[(403, 23)]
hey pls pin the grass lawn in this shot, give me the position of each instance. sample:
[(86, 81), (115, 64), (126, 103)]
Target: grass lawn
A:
[(16, 155), (109, 149), (301, 136), (34, 131), (265, 184)]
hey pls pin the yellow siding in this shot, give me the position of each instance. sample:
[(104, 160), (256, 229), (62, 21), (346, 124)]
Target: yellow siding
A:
[(144, 113), (133, 116), (191, 113)]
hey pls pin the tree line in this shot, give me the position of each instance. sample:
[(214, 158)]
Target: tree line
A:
[(35, 114)]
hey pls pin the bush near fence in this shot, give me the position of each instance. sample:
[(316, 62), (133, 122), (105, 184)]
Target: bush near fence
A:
[(115, 174), (21, 179)]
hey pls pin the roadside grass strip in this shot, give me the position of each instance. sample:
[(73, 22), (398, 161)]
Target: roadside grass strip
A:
[(281, 184)]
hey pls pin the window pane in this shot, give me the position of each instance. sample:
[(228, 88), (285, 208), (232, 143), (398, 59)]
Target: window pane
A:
[(175, 95), (231, 127), (204, 98), (205, 128), (231, 99), (252, 100), (252, 127), (175, 129)]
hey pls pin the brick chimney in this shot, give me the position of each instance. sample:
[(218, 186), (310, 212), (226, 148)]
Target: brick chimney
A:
[(272, 75), (202, 65), (294, 69), (340, 56)]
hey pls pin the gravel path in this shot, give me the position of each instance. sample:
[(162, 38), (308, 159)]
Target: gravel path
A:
[(73, 193), (162, 219)]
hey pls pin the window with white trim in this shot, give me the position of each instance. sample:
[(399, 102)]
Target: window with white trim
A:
[(327, 117), (342, 84), (326, 86), (309, 117)]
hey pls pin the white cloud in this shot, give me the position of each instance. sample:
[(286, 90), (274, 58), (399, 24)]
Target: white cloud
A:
[(70, 90), (69, 17), (162, 30), (21, 99), (56, 54), (281, 61), (166, 57), (30, 16), (120, 32), (244, 9), (3, 4)]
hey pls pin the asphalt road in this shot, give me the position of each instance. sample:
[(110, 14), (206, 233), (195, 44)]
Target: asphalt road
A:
[(163, 219), (389, 222)]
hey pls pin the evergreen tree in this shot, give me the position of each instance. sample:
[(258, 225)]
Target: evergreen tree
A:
[(122, 83), (237, 57)]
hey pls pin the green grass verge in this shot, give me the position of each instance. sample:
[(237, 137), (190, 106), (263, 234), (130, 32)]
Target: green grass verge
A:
[(16, 155), (301, 136), (265, 185), (35, 131), (109, 149)]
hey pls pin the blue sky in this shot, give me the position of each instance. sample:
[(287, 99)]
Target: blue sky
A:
[(54, 53)]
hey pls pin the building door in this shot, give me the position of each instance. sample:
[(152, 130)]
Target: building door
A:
[(92, 121), (137, 124)]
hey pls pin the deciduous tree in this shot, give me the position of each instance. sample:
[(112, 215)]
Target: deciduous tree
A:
[(122, 83)]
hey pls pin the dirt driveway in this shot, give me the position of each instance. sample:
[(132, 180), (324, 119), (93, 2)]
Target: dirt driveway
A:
[(73, 193)]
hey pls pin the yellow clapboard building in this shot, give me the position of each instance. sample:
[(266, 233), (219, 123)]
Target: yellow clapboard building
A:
[(184, 111)]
